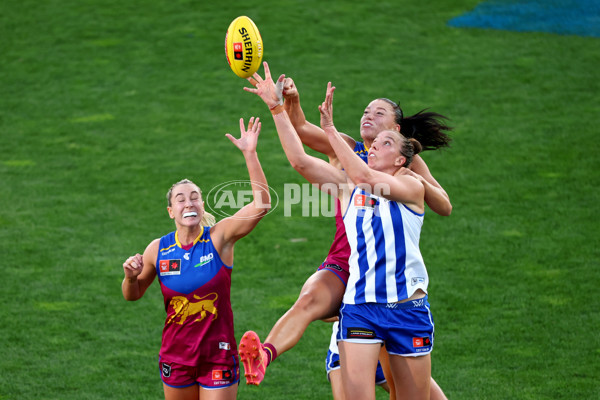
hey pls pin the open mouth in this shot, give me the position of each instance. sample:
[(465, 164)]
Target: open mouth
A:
[(190, 214)]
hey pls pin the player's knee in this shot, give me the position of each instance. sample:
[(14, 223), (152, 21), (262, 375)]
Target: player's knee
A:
[(317, 300), (307, 301)]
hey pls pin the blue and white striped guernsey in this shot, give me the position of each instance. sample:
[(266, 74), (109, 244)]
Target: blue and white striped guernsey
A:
[(386, 265)]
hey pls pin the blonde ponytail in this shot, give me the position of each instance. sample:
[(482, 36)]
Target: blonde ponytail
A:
[(208, 219)]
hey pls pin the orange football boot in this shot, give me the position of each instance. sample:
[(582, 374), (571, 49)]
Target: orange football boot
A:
[(253, 357)]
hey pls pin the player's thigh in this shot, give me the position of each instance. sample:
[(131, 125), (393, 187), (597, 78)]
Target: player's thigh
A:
[(186, 393), (359, 361), (322, 294), (412, 376), (228, 393), (358, 364)]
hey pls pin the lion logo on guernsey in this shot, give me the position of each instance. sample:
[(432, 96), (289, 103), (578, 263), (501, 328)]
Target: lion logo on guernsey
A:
[(185, 308)]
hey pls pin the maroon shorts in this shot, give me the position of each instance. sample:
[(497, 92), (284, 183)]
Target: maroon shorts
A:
[(339, 271), (207, 375)]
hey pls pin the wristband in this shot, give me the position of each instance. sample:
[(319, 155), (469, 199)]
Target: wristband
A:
[(277, 109)]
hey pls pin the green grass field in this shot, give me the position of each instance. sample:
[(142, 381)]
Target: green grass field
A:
[(105, 104)]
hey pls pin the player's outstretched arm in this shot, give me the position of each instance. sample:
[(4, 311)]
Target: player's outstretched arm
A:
[(310, 134), (313, 169), (229, 230)]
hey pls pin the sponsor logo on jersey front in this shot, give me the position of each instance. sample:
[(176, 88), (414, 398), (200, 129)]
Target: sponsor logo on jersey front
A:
[(167, 251), (169, 267), (205, 259), (363, 202)]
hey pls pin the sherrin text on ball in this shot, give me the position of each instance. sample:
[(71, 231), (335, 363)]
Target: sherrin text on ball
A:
[(243, 47)]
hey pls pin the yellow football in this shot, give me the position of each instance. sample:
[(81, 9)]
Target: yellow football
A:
[(243, 47)]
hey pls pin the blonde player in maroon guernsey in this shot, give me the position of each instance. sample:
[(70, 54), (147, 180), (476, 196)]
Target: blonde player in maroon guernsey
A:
[(198, 355)]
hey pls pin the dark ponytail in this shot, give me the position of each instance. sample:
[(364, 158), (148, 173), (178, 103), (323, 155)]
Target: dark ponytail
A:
[(425, 126)]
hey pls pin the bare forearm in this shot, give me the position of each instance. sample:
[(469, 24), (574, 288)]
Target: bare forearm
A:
[(356, 169), (294, 110), (437, 199), (310, 134), (258, 182), (313, 169), (435, 196), (292, 146), (130, 288)]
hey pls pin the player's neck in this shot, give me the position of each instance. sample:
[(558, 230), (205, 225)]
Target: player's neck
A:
[(187, 235)]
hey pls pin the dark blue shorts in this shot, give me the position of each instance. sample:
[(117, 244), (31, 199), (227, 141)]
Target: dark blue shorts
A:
[(332, 361), (405, 328)]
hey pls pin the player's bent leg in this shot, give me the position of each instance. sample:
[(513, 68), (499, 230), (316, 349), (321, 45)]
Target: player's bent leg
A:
[(358, 364), (320, 298), (253, 357), (412, 376)]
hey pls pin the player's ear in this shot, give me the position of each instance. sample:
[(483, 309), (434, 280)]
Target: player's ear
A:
[(400, 161)]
